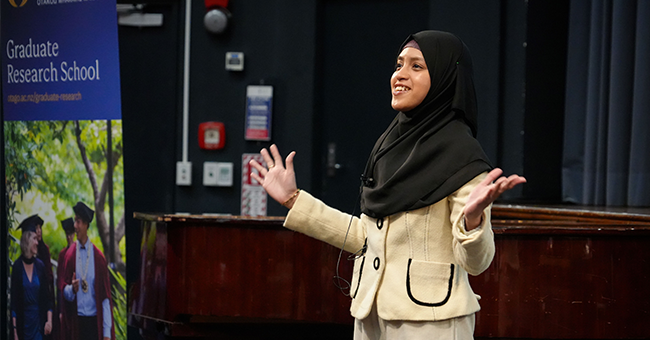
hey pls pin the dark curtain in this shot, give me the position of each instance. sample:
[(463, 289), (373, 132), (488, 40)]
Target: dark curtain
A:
[(606, 159)]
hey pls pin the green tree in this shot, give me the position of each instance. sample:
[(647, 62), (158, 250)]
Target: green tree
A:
[(20, 165)]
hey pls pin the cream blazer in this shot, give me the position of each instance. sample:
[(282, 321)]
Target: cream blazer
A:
[(414, 264)]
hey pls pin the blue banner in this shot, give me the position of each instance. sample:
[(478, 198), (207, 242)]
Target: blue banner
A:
[(63, 169), (60, 60)]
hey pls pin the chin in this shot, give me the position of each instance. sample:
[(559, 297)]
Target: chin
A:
[(401, 107), (397, 107)]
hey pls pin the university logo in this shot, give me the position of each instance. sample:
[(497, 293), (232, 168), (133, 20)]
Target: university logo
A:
[(13, 3)]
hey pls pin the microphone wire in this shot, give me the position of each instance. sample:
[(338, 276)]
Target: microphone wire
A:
[(339, 282)]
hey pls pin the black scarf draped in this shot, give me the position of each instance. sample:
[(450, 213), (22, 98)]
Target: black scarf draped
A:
[(29, 260), (428, 153)]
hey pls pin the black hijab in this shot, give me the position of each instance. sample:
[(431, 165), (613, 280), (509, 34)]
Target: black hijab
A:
[(428, 153)]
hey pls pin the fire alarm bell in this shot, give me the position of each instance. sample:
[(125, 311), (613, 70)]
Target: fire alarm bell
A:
[(217, 16), (212, 135)]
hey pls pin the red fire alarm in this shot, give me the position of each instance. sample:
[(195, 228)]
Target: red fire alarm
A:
[(212, 135)]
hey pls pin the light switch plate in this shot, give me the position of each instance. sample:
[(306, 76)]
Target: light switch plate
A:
[(184, 173), (210, 171)]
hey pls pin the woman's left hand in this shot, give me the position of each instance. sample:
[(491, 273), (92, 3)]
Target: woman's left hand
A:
[(487, 192), (48, 328)]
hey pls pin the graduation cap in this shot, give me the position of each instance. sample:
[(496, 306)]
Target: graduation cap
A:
[(85, 213), (30, 223), (68, 225)]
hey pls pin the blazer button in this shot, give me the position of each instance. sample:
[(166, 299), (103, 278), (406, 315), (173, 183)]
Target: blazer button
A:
[(375, 263), (380, 223)]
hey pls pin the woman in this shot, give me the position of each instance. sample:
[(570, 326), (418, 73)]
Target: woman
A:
[(425, 202), (31, 300)]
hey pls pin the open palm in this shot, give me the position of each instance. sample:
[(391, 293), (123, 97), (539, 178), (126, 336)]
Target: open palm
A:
[(278, 181), (487, 192)]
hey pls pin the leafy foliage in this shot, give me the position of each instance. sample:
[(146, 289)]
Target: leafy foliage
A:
[(119, 304), (21, 166)]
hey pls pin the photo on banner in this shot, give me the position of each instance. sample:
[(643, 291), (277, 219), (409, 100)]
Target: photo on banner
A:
[(53, 168), (63, 149)]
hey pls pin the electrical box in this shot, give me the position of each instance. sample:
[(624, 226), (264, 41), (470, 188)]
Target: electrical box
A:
[(217, 174)]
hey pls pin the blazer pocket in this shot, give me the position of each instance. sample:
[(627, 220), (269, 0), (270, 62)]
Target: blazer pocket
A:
[(429, 283)]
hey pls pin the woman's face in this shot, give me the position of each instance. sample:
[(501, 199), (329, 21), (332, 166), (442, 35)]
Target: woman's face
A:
[(33, 244), (410, 82), (39, 232)]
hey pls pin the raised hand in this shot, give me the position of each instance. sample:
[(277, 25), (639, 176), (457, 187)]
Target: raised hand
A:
[(487, 192), (278, 181)]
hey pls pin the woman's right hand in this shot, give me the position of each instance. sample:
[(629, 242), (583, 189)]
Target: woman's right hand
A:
[(278, 181), (47, 329)]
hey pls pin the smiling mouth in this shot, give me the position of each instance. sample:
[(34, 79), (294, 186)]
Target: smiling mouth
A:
[(401, 89)]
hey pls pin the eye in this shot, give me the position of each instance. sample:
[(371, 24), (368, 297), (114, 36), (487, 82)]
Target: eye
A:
[(398, 66), (419, 66)]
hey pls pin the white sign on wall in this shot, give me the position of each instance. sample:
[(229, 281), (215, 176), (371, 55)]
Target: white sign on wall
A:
[(253, 196)]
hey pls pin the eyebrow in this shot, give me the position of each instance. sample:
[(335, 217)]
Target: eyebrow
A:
[(413, 58)]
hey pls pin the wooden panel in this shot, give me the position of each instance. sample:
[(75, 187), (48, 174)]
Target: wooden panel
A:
[(591, 215), (557, 273), (579, 288), (567, 274), (243, 271)]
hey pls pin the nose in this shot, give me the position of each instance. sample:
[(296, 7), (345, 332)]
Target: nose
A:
[(400, 74)]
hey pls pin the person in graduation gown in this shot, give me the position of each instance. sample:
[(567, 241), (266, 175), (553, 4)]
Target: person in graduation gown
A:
[(31, 300), (44, 252), (425, 200), (87, 312), (45, 256), (68, 228)]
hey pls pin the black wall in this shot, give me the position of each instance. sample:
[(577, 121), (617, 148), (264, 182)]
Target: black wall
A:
[(545, 92), (283, 44), (277, 39), (519, 73)]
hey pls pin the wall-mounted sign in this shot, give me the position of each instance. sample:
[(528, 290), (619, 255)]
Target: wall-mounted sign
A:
[(253, 196), (60, 60), (259, 100)]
